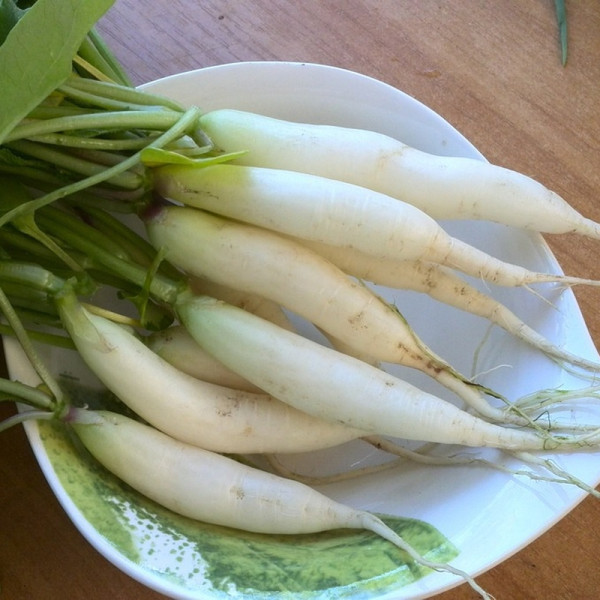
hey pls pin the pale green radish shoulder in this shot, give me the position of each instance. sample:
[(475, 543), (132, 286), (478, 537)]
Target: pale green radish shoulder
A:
[(444, 187), (342, 214)]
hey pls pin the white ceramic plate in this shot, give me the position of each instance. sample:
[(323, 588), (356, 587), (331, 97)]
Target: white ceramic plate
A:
[(487, 515)]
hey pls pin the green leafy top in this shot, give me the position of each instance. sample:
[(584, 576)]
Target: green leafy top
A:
[(37, 52), (10, 13)]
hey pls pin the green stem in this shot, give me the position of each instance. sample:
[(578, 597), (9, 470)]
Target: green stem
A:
[(37, 317), (14, 193), (186, 121), (127, 95), (86, 69), (28, 311), (22, 248), (158, 120), (65, 225), (24, 297), (160, 287), (109, 159), (53, 111), (31, 275), (50, 339), (107, 242), (21, 417), (111, 145), (112, 201), (36, 177), (20, 392), (91, 99), (97, 53), (123, 178), (27, 346), (134, 244)]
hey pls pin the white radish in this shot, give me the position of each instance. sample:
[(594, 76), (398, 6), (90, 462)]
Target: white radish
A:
[(337, 213), (262, 307), (336, 387), (444, 187), (443, 285), (267, 310), (212, 488), (261, 262), (178, 348), (254, 303), (351, 350), (196, 412)]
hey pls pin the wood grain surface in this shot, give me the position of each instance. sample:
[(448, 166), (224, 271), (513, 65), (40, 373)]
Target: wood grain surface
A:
[(493, 70)]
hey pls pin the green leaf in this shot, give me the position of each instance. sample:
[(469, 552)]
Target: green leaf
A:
[(10, 13), (37, 54), (154, 157)]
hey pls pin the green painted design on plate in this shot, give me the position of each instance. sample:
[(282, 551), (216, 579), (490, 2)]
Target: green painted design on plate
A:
[(223, 562)]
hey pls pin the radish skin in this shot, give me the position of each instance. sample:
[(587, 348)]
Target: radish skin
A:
[(261, 262), (178, 348), (212, 488), (339, 388), (443, 187), (200, 413), (262, 307), (442, 284), (203, 485), (254, 303), (337, 213)]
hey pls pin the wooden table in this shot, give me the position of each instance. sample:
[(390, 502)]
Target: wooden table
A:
[(493, 70)]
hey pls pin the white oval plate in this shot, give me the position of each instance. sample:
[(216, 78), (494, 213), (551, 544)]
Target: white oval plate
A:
[(487, 515)]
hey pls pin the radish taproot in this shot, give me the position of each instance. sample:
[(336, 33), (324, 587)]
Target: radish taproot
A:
[(443, 187), (337, 213), (209, 487), (444, 285), (259, 261), (208, 415), (339, 388)]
